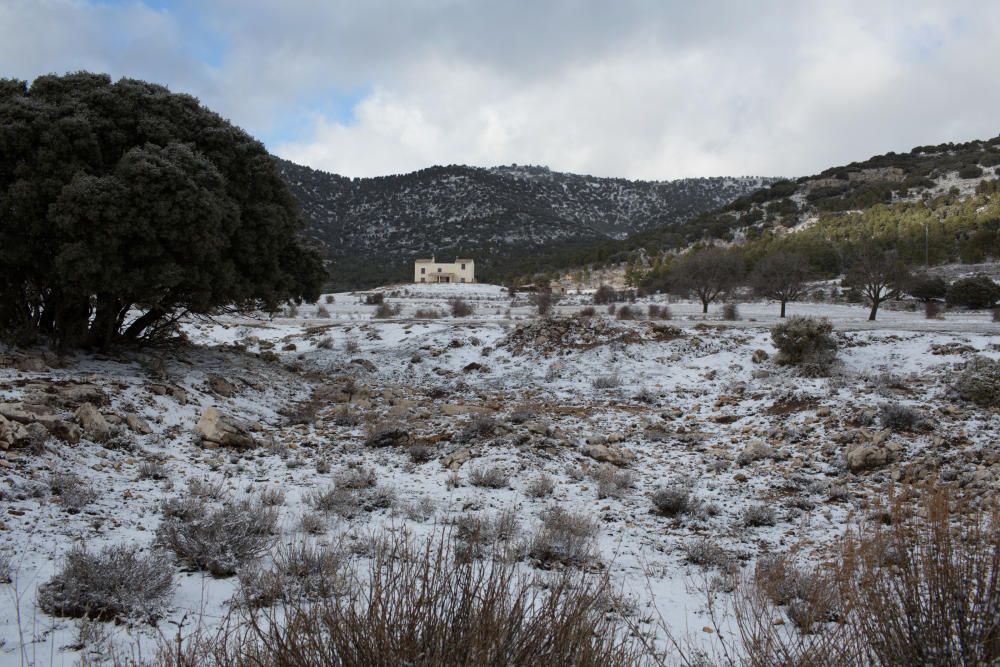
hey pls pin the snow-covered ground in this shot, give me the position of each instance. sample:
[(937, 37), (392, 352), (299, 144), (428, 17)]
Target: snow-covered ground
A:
[(675, 403)]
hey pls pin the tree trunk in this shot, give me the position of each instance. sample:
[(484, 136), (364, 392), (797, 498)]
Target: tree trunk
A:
[(146, 320), (704, 306), (871, 316), (782, 309)]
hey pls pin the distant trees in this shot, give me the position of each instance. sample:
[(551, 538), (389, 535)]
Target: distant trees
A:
[(708, 274), (927, 288), (879, 275), (781, 276), (124, 206), (973, 292)]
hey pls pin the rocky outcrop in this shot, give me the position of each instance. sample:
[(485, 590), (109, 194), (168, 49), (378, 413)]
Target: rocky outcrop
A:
[(214, 429)]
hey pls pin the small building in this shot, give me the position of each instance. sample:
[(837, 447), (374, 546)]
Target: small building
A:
[(433, 271)]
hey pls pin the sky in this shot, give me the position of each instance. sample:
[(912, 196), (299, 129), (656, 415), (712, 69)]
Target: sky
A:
[(648, 89)]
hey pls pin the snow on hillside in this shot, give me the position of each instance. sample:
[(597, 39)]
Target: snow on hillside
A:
[(672, 404)]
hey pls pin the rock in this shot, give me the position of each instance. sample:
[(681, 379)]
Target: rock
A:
[(455, 460), (61, 430), (24, 413), (616, 438), (394, 437), (864, 458), (617, 456), (365, 364), (11, 433), (77, 394), (760, 374), (220, 386), (215, 429), (138, 424), (94, 425)]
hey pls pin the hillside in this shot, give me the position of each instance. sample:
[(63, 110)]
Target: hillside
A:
[(953, 185), (505, 217)]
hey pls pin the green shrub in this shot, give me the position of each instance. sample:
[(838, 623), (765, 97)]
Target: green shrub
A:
[(979, 382), (970, 171), (926, 288), (974, 292), (805, 341)]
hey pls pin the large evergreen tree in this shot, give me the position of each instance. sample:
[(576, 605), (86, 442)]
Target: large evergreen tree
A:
[(123, 206)]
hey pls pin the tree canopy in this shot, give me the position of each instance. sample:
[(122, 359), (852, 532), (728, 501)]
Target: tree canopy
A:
[(123, 206)]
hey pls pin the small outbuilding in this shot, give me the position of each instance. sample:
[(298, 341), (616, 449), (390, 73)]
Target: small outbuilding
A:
[(433, 271)]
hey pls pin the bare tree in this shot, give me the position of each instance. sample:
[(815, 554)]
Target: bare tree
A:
[(879, 276), (708, 274), (781, 276)]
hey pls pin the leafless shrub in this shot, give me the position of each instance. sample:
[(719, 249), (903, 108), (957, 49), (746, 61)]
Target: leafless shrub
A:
[(626, 313), (385, 311), (74, 493), (672, 500), (329, 299), (899, 417), (344, 415), (153, 470), (996, 315), (325, 343), (421, 509), (351, 346), (272, 497), (204, 488), (460, 307), (6, 570), (330, 499), (356, 478), (611, 309), (374, 299), (492, 477), (322, 312), (933, 310), (291, 310), (117, 582), (586, 311), (221, 540), (611, 482), (541, 487), (759, 515), (706, 553), (427, 314), (422, 453), (730, 312), (564, 538), (606, 381), (313, 523), (298, 573), (659, 312), (322, 466), (605, 294), (481, 426), (418, 605), (480, 535)]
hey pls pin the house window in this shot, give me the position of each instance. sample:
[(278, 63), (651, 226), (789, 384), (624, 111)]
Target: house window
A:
[(463, 268), (423, 270), (439, 269), (423, 280), (463, 280)]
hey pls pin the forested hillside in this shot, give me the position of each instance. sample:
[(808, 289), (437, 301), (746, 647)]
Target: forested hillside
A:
[(507, 218)]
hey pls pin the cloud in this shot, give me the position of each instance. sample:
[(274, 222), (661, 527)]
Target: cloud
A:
[(633, 88)]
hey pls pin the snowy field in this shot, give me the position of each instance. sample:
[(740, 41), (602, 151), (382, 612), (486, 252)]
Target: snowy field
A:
[(610, 411)]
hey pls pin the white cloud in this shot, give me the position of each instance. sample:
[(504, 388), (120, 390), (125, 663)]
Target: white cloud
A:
[(632, 88)]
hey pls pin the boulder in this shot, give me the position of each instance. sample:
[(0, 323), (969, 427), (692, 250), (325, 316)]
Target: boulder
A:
[(77, 394), (62, 430), (11, 433), (31, 365), (865, 458), (221, 431), (617, 456), (393, 437), (138, 424), (94, 425), (455, 460), (220, 386)]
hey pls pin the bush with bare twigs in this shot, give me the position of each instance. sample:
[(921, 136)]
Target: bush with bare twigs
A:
[(460, 307), (418, 605), (117, 582), (220, 540), (564, 538)]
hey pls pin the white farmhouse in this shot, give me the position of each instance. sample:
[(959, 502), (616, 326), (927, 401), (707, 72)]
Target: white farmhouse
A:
[(432, 271)]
